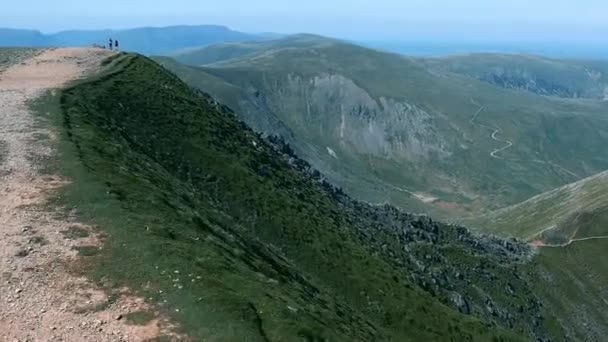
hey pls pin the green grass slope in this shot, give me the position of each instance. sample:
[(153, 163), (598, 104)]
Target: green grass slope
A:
[(570, 227), (225, 52), (405, 131), (572, 281), (237, 239), (575, 211), (561, 78)]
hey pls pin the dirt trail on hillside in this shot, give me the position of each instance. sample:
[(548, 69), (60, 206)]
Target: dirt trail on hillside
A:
[(540, 243), (40, 300), (495, 131), (509, 144)]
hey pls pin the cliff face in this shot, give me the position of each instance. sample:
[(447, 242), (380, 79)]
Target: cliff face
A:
[(345, 116), (558, 78), (527, 81)]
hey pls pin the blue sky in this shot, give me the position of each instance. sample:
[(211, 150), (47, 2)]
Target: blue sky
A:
[(481, 20)]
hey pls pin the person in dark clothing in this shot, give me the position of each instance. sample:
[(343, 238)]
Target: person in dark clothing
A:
[(111, 43), (116, 44)]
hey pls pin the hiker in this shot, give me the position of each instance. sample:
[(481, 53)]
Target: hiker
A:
[(116, 44), (111, 43)]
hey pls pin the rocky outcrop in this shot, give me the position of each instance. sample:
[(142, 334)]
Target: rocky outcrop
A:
[(475, 274), (522, 80), (335, 107)]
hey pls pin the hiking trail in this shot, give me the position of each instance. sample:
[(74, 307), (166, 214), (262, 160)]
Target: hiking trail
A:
[(540, 243), (495, 131), (40, 299), (509, 144)]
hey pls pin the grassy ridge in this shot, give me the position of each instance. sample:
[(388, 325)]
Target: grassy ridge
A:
[(202, 216), (570, 272), (577, 210)]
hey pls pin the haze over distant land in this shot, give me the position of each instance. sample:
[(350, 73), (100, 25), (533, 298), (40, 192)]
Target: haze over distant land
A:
[(589, 50), (560, 28)]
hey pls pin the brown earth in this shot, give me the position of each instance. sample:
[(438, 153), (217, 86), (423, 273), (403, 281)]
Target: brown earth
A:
[(40, 298)]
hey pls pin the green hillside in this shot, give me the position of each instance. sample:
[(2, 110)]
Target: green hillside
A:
[(235, 238), (575, 211), (561, 78), (570, 227), (225, 52), (410, 132), (573, 284)]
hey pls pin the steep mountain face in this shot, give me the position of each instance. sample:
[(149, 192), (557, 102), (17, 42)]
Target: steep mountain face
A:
[(239, 239), (566, 79), (337, 110), (405, 131), (146, 40)]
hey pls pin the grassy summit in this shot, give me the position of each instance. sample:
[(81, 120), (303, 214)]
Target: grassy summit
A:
[(237, 239)]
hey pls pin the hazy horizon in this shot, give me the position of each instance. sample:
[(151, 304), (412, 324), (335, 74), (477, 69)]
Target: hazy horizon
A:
[(362, 20)]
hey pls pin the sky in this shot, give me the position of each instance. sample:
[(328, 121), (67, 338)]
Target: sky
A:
[(372, 20)]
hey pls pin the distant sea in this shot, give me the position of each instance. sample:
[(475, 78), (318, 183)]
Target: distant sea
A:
[(435, 48)]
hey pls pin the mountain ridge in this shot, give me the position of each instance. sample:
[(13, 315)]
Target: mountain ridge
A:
[(145, 40), (220, 200), (555, 217)]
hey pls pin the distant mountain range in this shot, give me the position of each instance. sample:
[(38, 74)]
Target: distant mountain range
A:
[(560, 49), (437, 135), (445, 136), (145, 40), (169, 40)]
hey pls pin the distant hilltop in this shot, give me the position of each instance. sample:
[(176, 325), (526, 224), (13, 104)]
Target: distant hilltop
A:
[(144, 40)]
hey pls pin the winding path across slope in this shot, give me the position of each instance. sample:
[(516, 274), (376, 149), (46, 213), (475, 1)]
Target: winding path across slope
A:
[(495, 131), (40, 299), (509, 144), (541, 244)]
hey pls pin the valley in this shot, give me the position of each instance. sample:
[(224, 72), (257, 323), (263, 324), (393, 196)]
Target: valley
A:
[(395, 123), (301, 188), (529, 147)]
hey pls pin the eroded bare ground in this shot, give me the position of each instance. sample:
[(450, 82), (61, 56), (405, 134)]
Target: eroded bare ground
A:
[(40, 300)]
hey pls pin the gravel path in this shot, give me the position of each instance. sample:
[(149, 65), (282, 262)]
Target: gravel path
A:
[(40, 300)]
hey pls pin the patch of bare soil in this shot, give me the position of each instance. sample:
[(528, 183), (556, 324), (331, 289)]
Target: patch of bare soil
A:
[(40, 299)]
